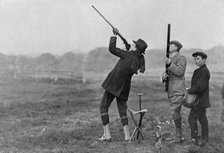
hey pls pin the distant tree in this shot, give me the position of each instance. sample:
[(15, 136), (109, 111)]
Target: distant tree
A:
[(222, 92), (71, 62), (100, 60)]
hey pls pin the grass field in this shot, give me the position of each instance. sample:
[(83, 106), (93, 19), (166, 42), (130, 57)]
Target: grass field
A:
[(43, 116)]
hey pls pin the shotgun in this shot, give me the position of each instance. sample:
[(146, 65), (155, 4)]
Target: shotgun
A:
[(127, 45), (167, 55)]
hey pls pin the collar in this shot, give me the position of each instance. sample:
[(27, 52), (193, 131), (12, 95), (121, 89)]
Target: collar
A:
[(173, 54), (137, 52), (203, 65)]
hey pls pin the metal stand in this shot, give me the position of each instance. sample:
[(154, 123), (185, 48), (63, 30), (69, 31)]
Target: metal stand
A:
[(138, 126)]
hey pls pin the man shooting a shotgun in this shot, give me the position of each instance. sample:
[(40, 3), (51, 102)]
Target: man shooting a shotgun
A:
[(118, 82)]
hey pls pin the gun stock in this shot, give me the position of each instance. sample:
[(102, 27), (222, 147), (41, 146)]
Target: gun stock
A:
[(127, 45), (167, 55)]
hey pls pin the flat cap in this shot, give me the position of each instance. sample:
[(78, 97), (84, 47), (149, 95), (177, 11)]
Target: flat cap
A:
[(202, 54), (177, 43)]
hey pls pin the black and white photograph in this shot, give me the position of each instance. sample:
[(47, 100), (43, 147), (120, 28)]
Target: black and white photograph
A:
[(111, 76)]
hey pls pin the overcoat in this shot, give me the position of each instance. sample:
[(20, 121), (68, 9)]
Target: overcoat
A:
[(118, 81), (200, 85), (176, 72)]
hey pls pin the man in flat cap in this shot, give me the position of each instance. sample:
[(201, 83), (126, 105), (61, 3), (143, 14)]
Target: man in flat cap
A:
[(176, 85), (118, 82), (200, 86)]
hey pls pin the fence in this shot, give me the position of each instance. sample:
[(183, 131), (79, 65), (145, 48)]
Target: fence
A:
[(52, 74)]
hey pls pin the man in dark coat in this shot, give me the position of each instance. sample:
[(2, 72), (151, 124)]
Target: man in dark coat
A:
[(200, 86), (118, 82)]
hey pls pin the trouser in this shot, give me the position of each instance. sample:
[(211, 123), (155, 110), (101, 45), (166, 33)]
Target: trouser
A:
[(105, 104), (175, 108), (198, 114)]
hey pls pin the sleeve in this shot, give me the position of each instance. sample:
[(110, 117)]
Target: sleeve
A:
[(142, 64), (178, 68), (201, 85), (114, 50)]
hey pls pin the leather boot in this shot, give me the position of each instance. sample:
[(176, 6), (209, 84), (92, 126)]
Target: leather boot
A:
[(194, 137), (126, 133), (178, 137), (106, 134)]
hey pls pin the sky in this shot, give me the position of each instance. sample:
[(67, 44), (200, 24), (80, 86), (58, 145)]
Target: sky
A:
[(32, 27)]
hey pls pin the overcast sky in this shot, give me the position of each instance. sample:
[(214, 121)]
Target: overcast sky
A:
[(58, 26)]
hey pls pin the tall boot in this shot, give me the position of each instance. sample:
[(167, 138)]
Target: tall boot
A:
[(194, 137), (204, 136), (126, 132), (106, 134), (179, 136)]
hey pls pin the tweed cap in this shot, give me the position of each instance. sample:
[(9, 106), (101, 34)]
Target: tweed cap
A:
[(202, 54), (177, 43)]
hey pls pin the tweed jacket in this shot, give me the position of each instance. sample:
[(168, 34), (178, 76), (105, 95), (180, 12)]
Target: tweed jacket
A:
[(118, 81), (176, 72), (200, 85)]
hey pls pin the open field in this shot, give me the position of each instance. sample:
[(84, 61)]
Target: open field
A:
[(46, 116)]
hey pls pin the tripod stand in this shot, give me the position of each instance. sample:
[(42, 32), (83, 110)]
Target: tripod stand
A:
[(138, 126)]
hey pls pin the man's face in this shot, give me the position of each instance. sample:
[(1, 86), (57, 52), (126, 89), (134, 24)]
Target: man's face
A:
[(133, 46), (173, 47), (199, 60)]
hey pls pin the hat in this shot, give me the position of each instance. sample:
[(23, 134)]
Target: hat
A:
[(177, 43), (202, 54), (141, 45)]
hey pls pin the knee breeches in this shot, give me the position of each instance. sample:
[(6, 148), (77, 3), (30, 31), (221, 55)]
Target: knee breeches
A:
[(105, 104), (175, 106)]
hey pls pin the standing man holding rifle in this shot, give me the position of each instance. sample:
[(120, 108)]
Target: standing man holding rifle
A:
[(174, 79), (118, 82)]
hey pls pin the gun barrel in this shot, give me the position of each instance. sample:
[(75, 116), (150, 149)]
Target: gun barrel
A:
[(102, 16), (167, 55), (168, 41), (119, 34)]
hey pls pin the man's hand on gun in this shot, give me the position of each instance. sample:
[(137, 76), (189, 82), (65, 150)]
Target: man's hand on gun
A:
[(115, 31), (164, 77), (168, 61)]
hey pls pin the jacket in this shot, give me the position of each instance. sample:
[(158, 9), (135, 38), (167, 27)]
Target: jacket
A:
[(200, 85), (118, 81), (176, 72)]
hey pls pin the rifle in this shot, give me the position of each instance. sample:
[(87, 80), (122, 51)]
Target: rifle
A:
[(127, 45), (167, 55)]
